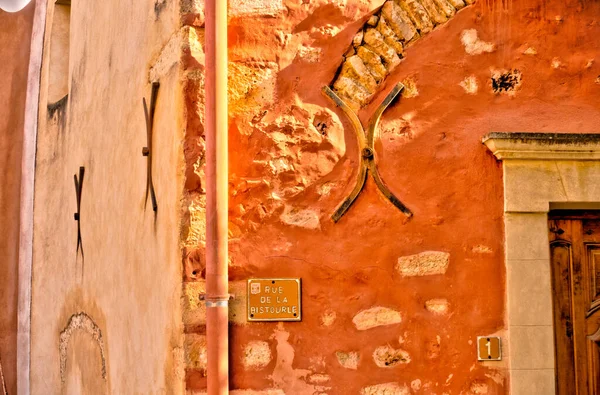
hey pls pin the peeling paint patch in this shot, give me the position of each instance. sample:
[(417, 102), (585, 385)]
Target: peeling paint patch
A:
[(410, 88), (284, 375), (387, 357), (385, 389), (481, 249), (328, 318), (469, 84), (423, 264), (318, 378), (348, 360), (80, 321), (530, 51), (307, 219), (478, 388), (434, 347), (496, 376), (473, 45), (256, 7), (309, 54), (415, 385), (376, 316), (556, 63), (257, 355)]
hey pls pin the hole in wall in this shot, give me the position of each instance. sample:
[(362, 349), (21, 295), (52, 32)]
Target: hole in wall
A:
[(507, 81)]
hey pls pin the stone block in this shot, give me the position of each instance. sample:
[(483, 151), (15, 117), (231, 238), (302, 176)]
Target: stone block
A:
[(373, 63), (354, 68), (388, 357), (436, 15), (535, 381), (423, 264), (376, 316), (458, 4), (357, 40), (399, 21), (237, 305), (385, 389), (390, 37), (445, 7), (526, 236), (352, 90), (195, 351), (272, 8), (194, 310), (257, 355), (532, 347), (418, 15), (530, 185), (377, 44), (437, 306), (529, 280), (580, 180)]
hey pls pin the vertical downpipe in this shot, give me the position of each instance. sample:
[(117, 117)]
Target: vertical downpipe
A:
[(217, 294)]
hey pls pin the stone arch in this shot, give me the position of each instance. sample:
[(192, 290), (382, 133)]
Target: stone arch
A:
[(81, 343)]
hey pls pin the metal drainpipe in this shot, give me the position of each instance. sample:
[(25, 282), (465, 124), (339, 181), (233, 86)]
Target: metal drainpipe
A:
[(217, 294)]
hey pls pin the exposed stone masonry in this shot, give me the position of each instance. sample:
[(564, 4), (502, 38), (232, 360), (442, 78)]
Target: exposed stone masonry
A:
[(379, 46)]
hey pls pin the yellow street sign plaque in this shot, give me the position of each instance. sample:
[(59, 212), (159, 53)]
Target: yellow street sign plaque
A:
[(274, 299)]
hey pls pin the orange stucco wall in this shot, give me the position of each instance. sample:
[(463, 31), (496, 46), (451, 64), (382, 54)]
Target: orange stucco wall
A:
[(15, 34), (288, 173)]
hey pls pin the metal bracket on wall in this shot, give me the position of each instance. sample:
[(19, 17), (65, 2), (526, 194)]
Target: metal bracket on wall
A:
[(78, 189), (147, 151), (367, 152)]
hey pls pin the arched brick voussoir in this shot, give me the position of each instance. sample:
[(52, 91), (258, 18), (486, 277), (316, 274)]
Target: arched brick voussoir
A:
[(378, 46)]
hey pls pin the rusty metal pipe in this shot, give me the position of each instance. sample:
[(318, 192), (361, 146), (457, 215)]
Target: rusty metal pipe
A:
[(217, 294)]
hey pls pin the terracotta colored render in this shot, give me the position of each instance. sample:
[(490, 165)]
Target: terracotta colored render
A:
[(15, 34), (217, 296)]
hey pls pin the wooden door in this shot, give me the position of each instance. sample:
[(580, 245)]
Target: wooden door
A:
[(575, 262)]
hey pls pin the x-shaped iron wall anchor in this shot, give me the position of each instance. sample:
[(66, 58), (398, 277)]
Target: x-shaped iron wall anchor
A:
[(147, 151), (78, 188), (367, 151)]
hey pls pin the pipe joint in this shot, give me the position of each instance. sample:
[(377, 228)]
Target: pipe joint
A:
[(216, 300)]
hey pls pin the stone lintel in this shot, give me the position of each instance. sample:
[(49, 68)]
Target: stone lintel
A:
[(544, 146)]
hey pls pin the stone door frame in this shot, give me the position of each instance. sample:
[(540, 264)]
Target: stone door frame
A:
[(542, 171)]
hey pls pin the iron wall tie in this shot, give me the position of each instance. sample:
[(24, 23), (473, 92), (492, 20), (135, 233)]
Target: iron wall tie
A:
[(367, 152)]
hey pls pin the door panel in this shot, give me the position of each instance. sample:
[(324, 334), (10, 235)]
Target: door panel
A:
[(560, 253), (575, 263)]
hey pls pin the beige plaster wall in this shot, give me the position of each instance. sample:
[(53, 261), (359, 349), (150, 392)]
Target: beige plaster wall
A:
[(109, 321), (15, 34)]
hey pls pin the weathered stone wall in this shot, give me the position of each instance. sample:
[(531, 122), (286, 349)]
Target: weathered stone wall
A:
[(390, 304), (108, 320), (15, 36)]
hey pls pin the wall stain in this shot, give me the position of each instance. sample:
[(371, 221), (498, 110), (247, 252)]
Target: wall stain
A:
[(80, 321)]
